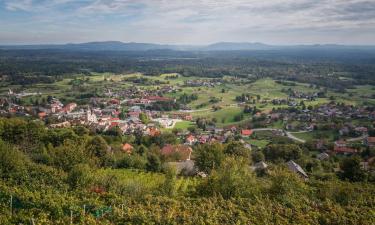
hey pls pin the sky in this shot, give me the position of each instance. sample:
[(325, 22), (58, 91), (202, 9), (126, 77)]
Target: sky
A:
[(191, 22)]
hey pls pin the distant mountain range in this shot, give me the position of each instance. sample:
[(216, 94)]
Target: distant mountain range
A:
[(132, 46)]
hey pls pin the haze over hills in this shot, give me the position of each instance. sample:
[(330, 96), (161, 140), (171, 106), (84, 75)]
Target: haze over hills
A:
[(133, 46)]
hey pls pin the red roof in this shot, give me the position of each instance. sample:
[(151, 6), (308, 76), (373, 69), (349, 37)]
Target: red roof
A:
[(344, 150), (371, 139), (113, 124), (158, 98), (127, 148), (133, 113), (247, 132), (183, 151), (42, 114), (154, 132), (190, 138), (114, 101)]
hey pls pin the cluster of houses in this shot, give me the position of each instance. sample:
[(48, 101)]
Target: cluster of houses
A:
[(203, 83), (308, 119), (104, 113)]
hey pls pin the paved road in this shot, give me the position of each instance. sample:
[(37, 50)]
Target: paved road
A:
[(288, 134)]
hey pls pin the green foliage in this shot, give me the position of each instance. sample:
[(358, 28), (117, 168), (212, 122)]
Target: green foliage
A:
[(79, 176), (144, 118), (132, 161), (232, 180), (169, 185), (237, 149), (284, 152), (68, 154), (288, 187), (153, 162), (13, 162), (97, 147), (209, 156), (55, 178), (351, 169), (257, 156)]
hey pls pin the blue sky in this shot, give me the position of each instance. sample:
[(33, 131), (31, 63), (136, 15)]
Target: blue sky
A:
[(188, 21)]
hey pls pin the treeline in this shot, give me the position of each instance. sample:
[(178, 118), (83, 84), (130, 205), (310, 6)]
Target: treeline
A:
[(37, 65)]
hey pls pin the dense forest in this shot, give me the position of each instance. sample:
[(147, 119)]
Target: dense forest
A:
[(75, 175), (35, 66)]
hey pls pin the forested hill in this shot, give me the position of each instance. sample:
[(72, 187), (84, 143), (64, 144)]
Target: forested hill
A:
[(298, 64), (220, 46)]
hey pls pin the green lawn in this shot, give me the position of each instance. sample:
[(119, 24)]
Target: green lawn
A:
[(184, 125), (309, 136), (258, 143)]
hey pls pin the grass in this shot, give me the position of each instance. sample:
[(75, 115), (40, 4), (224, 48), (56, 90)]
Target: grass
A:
[(184, 125), (309, 136), (258, 143), (224, 116), (144, 182)]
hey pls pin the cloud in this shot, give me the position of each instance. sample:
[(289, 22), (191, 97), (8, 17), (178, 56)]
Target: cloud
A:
[(24, 5), (199, 20)]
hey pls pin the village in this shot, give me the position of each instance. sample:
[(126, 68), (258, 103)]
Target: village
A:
[(135, 111)]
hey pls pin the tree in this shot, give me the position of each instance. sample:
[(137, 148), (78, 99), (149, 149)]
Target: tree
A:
[(144, 118), (79, 176), (165, 138), (232, 180), (284, 152), (69, 154), (13, 162), (351, 169), (97, 147), (236, 149), (153, 163), (257, 156), (169, 185), (209, 156)]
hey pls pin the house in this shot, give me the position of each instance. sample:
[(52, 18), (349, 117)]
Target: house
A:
[(152, 131), (204, 139), (246, 133), (190, 140), (134, 114), (186, 168), (178, 152), (60, 125), (341, 147), (233, 129), (322, 156), (361, 130), (41, 115), (294, 167), (370, 141), (260, 166), (320, 145), (248, 146), (127, 148), (344, 131), (114, 101), (70, 107), (188, 117), (159, 99)]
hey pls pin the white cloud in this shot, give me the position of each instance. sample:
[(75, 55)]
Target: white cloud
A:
[(204, 20)]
